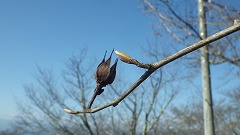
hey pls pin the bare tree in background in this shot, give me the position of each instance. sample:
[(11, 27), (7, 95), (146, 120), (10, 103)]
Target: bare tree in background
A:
[(40, 114), (187, 119), (183, 28), (145, 107)]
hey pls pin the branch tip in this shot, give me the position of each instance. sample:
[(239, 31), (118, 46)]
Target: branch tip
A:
[(68, 111), (123, 56), (236, 21)]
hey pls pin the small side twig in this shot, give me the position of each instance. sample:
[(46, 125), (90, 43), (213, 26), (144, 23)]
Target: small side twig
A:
[(141, 65), (127, 59), (115, 102)]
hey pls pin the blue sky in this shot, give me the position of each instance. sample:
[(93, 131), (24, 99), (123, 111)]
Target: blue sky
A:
[(46, 33)]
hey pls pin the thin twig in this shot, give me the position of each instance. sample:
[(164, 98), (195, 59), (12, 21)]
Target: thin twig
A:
[(137, 63), (161, 63), (94, 96)]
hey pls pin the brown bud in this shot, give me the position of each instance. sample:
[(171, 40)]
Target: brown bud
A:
[(104, 74), (112, 74), (103, 58), (103, 70)]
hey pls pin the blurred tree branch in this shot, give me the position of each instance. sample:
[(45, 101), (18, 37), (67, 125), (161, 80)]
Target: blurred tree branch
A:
[(183, 28)]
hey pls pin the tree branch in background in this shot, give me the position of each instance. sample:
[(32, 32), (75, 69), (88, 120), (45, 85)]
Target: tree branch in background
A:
[(181, 27), (154, 66)]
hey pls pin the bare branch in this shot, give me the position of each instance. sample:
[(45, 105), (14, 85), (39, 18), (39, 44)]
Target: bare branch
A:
[(198, 45), (157, 65), (183, 21)]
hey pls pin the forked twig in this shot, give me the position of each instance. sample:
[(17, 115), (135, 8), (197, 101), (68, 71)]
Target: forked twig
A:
[(154, 66)]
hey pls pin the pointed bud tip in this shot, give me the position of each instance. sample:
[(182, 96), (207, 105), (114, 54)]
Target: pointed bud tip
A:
[(68, 111), (236, 22), (123, 56)]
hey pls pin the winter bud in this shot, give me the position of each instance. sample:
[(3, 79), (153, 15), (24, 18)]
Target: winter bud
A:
[(123, 56)]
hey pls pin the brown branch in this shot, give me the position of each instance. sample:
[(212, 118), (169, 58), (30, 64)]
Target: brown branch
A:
[(94, 96), (161, 63), (137, 63)]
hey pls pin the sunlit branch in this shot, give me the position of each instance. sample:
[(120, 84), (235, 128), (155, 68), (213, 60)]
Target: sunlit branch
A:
[(157, 65)]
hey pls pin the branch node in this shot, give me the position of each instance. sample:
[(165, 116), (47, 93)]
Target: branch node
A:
[(115, 104)]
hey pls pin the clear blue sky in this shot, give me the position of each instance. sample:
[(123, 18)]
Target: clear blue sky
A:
[(47, 32)]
